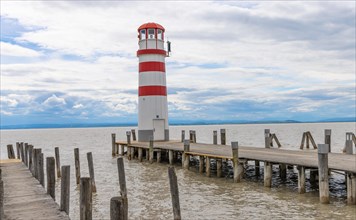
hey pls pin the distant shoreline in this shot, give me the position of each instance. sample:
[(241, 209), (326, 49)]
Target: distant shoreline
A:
[(103, 125)]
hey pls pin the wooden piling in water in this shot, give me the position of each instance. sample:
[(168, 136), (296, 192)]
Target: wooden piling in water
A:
[(1, 199), (151, 152), (140, 152), (186, 156), (208, 167), (323, 150), (26, 154), (267, 174), (22, 152), (30, 158), (182, 138), (85, 202), (235, 160), (301, 179), (201, 164), (128, 139), (194, 137), (51, 177), (215, 137), (122, 182), (41, 169), (327, 137), (257, 167), (283, 171), (65, 189), (219, 167), (91, 170), (350, 177), (173, 184), (159, 153), (303, 140), (116, 208), (223, 136), (171, 157), (10, 152), (18, 150), (58, 162), (77, 165), (268, 138), (133, 134), (113, 145)]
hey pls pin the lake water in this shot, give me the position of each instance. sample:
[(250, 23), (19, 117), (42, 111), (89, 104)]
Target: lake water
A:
[(200, 197)]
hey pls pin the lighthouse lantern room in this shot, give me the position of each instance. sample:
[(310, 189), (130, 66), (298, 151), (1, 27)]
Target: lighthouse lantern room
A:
[(152, 90)]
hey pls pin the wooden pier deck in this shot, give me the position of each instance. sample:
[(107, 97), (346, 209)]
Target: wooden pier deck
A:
[(309, 158), (24, 197)]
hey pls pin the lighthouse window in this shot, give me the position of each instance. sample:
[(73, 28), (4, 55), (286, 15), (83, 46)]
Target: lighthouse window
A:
[(143, 34), (151, 33), (159, 34)]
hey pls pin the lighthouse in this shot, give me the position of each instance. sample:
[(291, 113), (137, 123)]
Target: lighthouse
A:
[(152, 89)]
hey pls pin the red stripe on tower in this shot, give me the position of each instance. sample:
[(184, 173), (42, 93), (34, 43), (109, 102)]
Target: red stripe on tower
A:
[(151, 51), (152, 90), (152, 66)]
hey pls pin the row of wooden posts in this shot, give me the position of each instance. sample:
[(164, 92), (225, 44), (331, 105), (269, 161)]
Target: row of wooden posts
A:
[(33, 159)]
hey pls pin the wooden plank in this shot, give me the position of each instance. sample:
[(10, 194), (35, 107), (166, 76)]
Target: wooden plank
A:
[(24, 197)]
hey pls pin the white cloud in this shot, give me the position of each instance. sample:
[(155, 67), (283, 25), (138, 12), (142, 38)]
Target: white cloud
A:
[(14, 50), (54, 101), (78, 106)]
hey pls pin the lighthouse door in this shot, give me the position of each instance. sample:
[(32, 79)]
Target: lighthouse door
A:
[(158, 129)]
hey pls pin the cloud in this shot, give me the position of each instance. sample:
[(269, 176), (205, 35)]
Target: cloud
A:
[(54, 101), (78, 106), (14, 50)]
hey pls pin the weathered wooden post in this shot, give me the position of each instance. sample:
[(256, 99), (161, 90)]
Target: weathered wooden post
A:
[(174, 193), (191, 135), (283, 171), (123, 190), (37, 162), (218, 167), (77, 165), (2, 199), (215, 137), (65, 189), (35, 156), (133, 134), (185, 155), (208, 167), (201, 164), (268, 138), (113, 144), (301, 179), (323, 150), (307, 140), (91, 170), (327, 138), (140, 153), (170, 156), (18, 150), (194, 137), (235, 161), (58, 162), (267, 165), (26, 154), (303, 140), (151, 152), (85, 204), (41, 169), (159, 153), (116, 208), (350, 177), (30, 159), (51, 177), (22, 152), (257, 167), (223, 136), (10, 152), (182, 136), (128, 139), (311, 139)]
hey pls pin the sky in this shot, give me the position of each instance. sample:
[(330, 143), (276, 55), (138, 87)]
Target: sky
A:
[(75, 61)]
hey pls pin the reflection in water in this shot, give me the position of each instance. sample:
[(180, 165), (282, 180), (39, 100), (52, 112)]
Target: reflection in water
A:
[(200, 197)]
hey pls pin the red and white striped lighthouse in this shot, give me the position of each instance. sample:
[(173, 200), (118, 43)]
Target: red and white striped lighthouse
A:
[(152, 90)]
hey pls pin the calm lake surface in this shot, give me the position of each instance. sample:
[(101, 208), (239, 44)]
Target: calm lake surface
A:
[(200, 197)]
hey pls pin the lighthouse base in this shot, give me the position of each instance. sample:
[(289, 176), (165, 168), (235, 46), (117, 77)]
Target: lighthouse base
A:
[(145, 135)]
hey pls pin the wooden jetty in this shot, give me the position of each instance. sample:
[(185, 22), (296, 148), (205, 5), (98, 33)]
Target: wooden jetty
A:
[(317, 161), (24, 196)]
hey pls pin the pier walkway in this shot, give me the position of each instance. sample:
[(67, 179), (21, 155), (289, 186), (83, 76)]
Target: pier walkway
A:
[(24, 197), (309, 158)]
